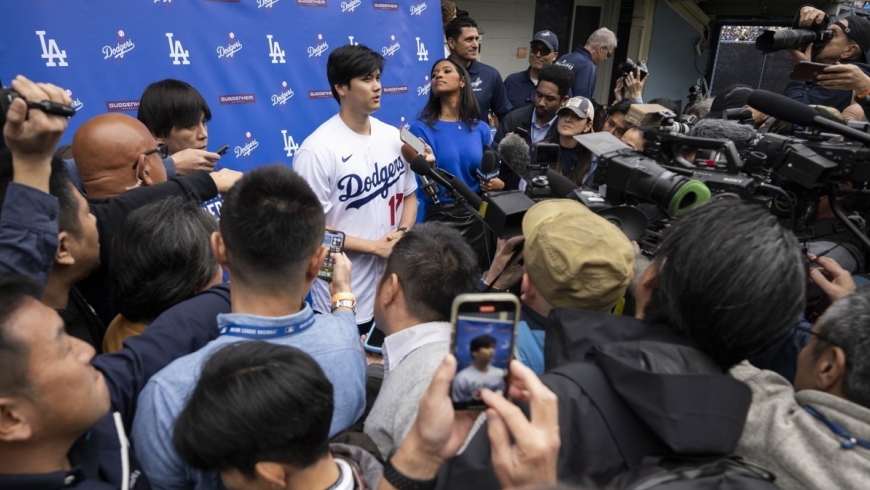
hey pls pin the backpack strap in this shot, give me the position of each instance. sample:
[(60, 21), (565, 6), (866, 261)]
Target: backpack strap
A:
[(633, 438)]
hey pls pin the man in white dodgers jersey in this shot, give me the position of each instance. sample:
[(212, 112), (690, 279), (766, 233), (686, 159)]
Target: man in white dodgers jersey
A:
[(354, 164)]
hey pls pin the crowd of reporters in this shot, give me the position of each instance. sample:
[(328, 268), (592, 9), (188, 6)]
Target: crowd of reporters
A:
[(156, 328)]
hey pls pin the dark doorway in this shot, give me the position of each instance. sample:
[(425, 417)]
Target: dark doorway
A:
[(586, 21)]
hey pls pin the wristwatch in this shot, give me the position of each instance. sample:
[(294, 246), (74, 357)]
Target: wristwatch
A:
[(404, 229), (344, 303), (402, 482)]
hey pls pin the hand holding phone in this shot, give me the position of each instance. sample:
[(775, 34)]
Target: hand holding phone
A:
[(808, 71), (334, 242), (484, 334), (409, 138)]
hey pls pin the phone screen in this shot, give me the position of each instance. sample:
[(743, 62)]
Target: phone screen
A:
[(334, 241), (483, 344)]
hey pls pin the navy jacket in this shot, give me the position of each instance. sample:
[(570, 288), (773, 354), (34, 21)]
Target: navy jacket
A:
[(520, 89), (96, 456), (580, 62), (488, 90), (28, 232), (812, 94)]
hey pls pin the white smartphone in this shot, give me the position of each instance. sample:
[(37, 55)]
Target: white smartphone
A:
[(409, 138)]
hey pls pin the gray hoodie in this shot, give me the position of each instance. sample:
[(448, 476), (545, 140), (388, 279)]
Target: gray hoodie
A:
[(800, 449)]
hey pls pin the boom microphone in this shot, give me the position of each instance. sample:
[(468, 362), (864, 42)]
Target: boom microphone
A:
[(488, 169), (429, 187), (781, 107), (515, 153)]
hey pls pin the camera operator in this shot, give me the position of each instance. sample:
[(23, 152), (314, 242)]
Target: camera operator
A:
[(847, 50)]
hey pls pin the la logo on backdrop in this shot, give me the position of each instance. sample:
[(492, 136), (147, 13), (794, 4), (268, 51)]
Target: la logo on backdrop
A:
[(290, 146), (275, 51), (422, 52), (51, 51), (179, 55), (122, 47)]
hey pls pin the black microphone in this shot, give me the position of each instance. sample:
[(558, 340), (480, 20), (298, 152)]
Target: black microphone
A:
[(515, 153), (448, 181), (488, 169), (429, 187), (560, 185), (781, 107)]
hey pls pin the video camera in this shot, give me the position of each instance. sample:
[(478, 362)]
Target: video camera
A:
[(655, 116), (628, 66), (7, 95)]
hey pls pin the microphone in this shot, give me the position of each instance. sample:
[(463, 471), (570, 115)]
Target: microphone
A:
[(781, 107), (448, 181), (737, 114), (560, 185), (488, 169), (429, 187), (515, 153)]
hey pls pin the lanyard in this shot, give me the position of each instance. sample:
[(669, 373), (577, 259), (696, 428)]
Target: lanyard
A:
[(255, 332), (849, 441)]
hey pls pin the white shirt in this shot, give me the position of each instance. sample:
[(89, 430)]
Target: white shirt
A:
[(362, 182), (400, 345)]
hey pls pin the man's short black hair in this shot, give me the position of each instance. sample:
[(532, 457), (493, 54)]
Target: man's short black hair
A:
[(161, 255), (620, 107), (171, 104), (560, 76), (351, 61), (256, 401), (481, 342), (59, 186), (434, 264), (731, 278), (846, 324), (455, 26), (14, 292), (271, 223)]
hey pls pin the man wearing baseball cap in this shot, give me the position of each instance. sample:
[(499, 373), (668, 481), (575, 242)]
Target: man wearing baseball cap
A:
[(846, 51), (573, 259), (520, 86)]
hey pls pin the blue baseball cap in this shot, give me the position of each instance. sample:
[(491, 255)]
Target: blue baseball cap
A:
[(548, 38)]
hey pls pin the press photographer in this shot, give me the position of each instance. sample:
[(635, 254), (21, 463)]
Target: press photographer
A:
[(816, 38)]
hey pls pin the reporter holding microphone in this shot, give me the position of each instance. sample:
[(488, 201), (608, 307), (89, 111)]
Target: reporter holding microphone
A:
[(450, 124)]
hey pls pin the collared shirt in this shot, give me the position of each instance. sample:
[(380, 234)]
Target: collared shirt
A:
[(520, 88), (489, 90), (401, 344), (538, 133), (333, 341)]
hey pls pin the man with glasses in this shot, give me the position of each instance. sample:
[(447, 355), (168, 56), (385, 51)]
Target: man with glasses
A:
[(583, 60), (816, 434), (520, 86)]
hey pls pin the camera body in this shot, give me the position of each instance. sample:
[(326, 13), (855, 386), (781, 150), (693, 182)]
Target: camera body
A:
[(771, 41), (629, 66), (7, 95)]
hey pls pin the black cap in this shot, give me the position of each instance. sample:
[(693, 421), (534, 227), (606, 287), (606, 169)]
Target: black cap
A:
[(730, 98), (858, 30)]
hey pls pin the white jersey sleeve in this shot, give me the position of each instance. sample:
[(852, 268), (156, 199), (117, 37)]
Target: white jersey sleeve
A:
[(318, 172)]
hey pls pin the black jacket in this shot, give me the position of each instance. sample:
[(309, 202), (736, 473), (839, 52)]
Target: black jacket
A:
[(684, 400), (518, 118)]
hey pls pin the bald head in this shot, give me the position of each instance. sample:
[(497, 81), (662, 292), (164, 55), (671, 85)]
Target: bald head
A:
[(105, 149)]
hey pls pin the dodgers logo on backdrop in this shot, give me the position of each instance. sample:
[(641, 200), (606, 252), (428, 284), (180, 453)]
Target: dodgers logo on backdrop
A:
[(51, 51), (418, 9), (266, 3), (351, 41), (250, 145), (177, 52), (233, 46), (422, 52), (391, 48), (319, 48), (122, 47), (350, 5), (76, 103), (275, 51), (363, 190), (283, 96), (290, 146), (424, 90)]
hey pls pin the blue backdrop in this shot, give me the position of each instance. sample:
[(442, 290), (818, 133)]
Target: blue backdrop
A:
[(260, 64)]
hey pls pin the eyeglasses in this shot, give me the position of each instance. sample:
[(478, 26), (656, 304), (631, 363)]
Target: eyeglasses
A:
[(809, 330), (161, 149), (540, 50)]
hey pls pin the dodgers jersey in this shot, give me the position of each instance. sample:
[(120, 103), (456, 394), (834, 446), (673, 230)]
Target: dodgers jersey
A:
[(362, 183)]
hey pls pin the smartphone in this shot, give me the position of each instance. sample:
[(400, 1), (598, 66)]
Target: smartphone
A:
[(374, 340), (807, 71), (334, 242), (223, 149), (484, 335), (409, 138)]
